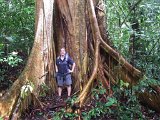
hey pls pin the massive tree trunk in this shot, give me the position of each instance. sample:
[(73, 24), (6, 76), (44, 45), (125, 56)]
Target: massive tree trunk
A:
[(39, 63), (72, 34), (76, 28)]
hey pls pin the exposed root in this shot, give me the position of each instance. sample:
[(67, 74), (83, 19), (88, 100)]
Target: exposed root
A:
[(109, 76), (150, 100), (135, 72), (106, 73), (36, 101), (103, 79), (85, 91), (99, 41), (16, 110)]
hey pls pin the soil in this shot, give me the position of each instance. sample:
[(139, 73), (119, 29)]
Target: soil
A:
[(51, 105)]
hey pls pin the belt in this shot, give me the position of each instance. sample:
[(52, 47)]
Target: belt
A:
[(63, 74)]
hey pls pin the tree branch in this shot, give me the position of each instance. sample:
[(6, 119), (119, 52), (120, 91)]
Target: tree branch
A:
[(132, 8)]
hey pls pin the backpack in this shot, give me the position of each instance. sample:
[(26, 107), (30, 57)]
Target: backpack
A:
[(66, 60), (66, 57)]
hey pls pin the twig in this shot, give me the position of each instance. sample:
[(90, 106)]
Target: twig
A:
[(43, 75), (100, 9), (57, 106), (132, 8)]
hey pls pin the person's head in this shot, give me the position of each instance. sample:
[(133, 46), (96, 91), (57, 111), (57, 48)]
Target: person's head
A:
[(62, 52)]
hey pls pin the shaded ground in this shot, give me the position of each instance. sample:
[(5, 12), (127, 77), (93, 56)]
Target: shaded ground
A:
[(52, 106)]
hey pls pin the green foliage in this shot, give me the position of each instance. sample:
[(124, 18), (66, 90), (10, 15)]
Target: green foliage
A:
[(12, 59), (16, 38), (123, 105), (67, 115), (128, 104), (71, 101), (62, 114), (8, 62), (122, 18), (71, 116), (17, 24), (123, 84), (100, 109), (1, 118), (43, 90), (122, 15), (58, 115), (145, 84), (98, 91)]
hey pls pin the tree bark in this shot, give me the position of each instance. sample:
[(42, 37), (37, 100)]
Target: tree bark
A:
[(77, 28), (73, 25), (40, 61)]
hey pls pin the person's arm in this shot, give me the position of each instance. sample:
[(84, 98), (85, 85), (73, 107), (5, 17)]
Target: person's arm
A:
[(56, 68), (73, 66), (71, 62)]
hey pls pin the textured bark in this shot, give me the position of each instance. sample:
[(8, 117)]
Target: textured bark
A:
[(150, 100), (129, 71), (76, 28), (72, 15), (39, 62), (101, 18)]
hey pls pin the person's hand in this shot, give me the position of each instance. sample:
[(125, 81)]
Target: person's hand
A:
[(70, 71), (55, 75)]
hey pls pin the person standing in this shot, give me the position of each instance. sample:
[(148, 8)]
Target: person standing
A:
[(64, 67)]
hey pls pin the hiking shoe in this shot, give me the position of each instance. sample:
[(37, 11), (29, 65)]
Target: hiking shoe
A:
[(59, 98), (68, 98)]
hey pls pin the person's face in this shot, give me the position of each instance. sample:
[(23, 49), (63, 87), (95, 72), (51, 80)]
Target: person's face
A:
[(62, 52)]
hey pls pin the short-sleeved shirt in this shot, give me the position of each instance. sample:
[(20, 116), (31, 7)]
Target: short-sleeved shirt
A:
[(64, 65)]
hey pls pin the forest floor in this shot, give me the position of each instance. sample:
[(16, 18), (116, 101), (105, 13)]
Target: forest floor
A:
[(51, 106)]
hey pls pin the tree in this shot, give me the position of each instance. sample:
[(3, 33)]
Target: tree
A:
[(16, 38), (76, 27), (39, 61), (141, 27), (98, 48)]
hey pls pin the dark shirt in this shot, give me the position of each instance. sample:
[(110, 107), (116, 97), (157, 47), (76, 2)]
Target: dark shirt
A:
[(64, 65)]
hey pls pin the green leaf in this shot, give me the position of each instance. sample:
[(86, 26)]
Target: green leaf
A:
[(110, 102)]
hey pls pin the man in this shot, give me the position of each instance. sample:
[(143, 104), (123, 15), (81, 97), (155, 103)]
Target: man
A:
[(64, 67)]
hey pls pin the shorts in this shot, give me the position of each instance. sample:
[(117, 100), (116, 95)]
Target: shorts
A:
[(64, 80)]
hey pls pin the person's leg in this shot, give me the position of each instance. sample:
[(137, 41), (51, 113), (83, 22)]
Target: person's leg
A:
[(59, 91), (60, 85), (68, 83), (69, 90)]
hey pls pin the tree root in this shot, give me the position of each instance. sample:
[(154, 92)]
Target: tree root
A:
[(133, 72), (150, 100), (84, 93)]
